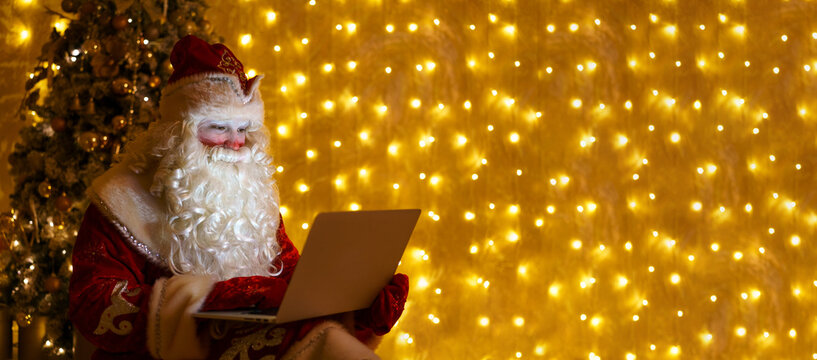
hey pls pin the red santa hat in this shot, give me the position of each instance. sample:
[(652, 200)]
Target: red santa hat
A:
[(208, 82)]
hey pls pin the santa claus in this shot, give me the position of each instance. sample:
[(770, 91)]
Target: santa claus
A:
[(189, 220)]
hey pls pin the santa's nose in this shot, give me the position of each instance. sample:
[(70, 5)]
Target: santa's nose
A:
[(235, 141)]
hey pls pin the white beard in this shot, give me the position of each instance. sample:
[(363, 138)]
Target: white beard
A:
[(222, 211)]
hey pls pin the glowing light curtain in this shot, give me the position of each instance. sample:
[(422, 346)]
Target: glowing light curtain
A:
[(614, 179)]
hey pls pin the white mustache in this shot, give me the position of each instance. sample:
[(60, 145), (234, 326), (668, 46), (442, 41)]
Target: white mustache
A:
[(218, 153)]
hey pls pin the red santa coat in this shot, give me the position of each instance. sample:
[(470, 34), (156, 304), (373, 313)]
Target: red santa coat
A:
[(121, 288), (112, 284)]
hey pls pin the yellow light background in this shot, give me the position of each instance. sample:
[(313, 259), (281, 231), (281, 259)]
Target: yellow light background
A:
[(598, 179)]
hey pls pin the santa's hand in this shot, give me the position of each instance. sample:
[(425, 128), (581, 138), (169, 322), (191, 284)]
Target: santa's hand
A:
[(386, 308), (262, 292)]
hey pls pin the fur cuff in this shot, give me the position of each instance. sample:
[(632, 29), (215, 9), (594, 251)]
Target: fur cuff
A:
[(171, 328), (329, 340), (371, 340)]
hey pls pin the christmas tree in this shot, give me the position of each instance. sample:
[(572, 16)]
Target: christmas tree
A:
[(96, 86)]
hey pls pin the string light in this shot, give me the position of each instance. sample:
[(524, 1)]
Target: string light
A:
[(579, 144), (246, 39)]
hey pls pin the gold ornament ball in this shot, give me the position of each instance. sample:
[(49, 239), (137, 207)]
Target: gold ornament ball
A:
[(53, 284), (88, 141), (119, 122), (104, 65), (119, 22), (44, 189), (59, 123), (23, 319), (167, 67), (121, 86), (69, 5), (205, 26), (63, 203), (154, 81), (188, 28)]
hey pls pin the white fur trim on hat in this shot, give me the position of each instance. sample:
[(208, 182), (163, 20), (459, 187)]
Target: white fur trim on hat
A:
[(214, 96)]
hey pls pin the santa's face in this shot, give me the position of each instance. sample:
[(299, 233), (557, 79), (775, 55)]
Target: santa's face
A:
[(228, 134), (221, 205)]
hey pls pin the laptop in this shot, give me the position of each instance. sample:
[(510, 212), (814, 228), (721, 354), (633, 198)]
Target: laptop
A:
[(347, 259)]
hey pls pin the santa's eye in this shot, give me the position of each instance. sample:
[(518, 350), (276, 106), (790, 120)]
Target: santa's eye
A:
[(218, 127), (242, 130)]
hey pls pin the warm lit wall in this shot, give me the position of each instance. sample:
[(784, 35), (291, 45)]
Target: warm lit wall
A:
[(598, 178), (21, 40)]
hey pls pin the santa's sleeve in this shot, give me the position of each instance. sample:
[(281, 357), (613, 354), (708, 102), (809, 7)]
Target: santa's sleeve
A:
[(171, 327), (116, 305), (261, 292), (109, 296), (386, 308), (289, 253)]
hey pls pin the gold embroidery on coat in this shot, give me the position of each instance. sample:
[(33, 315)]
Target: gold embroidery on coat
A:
[(257, 340), (119, 306)]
